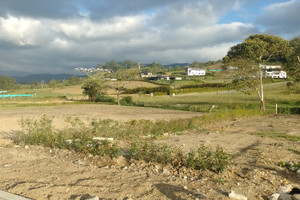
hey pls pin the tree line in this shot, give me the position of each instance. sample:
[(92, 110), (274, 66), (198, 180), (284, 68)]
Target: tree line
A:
[(9, 83)]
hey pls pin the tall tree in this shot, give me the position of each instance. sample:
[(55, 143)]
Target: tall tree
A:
[(94, 85), (123, 76), (249, 55), (293, 64), (7, 83)]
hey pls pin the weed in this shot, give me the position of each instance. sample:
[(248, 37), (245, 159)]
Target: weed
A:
[(102, 98), (294, 151), (126, 101), (201, 160), (78, 137), (276, 135), (289, 165)]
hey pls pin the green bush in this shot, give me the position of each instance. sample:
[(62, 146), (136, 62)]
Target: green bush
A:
[(78, 137), (203, 159), (293, 110), (145, 90), (103, 98), (127, 101)]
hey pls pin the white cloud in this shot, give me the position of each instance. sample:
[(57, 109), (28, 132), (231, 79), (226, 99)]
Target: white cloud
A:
[(175, 31), (281, 18), (20, 31), (59, 42), (93, 29)]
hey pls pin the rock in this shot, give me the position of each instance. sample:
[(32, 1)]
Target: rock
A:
[(296, 197), (127, 198), (103, 138), (298, 172), (166, 172), (285, 197), (233, 195), (274, 196), (285, 189), (79, 162)]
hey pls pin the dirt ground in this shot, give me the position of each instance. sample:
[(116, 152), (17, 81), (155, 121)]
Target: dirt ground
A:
[(42, 173), (10, 118)]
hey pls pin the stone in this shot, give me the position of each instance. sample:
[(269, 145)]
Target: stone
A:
[(233, 195), (166, 172), (298, 172), (103, 138), (285, 189), (274, 196), (285, 197), (296, 197)]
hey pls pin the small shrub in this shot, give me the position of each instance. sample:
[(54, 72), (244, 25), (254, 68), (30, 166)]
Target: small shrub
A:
[(103, 98), (127, 101), (292, 111), (202, 159)]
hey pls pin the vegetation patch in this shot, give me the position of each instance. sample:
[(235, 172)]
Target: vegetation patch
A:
[(81, 138), (289, 165), (291, 110), (279, 136)]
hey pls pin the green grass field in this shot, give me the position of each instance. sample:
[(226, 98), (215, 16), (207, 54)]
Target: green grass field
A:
[(225, 100), (275, 92)]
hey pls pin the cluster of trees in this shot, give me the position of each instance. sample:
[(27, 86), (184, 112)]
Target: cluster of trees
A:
[(9, 83), (262, 49)]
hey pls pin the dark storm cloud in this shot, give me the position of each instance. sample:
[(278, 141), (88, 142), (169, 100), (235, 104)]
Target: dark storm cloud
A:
[(42, 36)]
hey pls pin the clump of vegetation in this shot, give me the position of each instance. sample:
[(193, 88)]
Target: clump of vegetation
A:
[(202, 159), (78, 137), (292, 110), (127, 101), (104, 98), (289, 165), (276, 135), (145, 90)]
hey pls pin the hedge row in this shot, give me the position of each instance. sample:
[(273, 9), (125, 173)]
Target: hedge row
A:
[(293, 110), (145, 90), (213, 85)]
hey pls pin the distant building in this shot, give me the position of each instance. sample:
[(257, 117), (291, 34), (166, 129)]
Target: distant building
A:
[(146, 75), (195, 72), (275, 74), (270, 67), (273, 71)]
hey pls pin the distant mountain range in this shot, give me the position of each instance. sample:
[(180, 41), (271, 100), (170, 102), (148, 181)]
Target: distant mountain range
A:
[(43, 77), (177, 64)]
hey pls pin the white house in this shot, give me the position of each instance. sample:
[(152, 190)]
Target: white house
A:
[(195, 72), (276, 74), (274, 71)]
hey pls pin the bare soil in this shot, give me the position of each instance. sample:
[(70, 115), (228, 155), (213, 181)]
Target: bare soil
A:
[(42, 173), (10, 118)]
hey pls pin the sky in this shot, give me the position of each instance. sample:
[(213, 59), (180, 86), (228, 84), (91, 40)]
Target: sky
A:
[(43, 36)]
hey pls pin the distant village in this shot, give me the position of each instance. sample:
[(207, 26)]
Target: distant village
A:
[(269, 71)]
